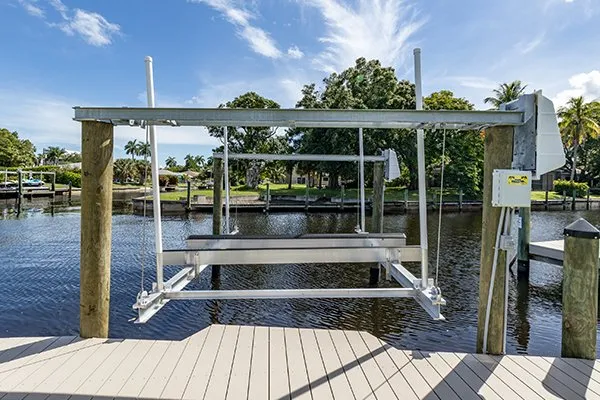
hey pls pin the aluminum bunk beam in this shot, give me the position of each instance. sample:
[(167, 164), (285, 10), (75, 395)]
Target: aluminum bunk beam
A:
[(302, 118)]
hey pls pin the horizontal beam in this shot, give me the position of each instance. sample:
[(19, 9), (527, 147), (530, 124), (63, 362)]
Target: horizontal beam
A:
[(290, 294), (426, 298), (263, 256), (297, 243), (301, 118), (299, 157)]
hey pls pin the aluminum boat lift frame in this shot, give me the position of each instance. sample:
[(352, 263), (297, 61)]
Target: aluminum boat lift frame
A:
[(389, 250)]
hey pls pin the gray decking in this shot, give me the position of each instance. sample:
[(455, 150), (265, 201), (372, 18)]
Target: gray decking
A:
[(239, 362), (551, 251)]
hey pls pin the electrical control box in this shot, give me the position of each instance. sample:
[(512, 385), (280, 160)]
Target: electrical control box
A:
[(511, 188)]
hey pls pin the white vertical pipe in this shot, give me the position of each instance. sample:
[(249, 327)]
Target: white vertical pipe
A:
[(155, 184), (226, 178), (421, 174), (362, 179)]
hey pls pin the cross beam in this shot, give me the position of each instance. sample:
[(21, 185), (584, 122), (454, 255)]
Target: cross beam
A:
[(299, 157), (303, 118)]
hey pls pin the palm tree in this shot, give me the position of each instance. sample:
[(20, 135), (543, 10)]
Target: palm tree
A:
[(200, 161), (578, 122), (171, 162), (506, 92), (53, 154), (132, 148), (190, 162), (143, 149), (125, 170)]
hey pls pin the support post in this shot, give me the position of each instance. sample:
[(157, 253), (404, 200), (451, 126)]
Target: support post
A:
[(546, 200), (498, 150), (268, 199), (217, 227), (422, 177), (306, 195), (361, 165), (573, 200), (460, 200), (96, 228), (20, 183), (54, 182), (188, 200), (587, 202), (70, 190), (406, 200), (343, 195), (564, 200), (524, 240), (580, 290), (377, 213)]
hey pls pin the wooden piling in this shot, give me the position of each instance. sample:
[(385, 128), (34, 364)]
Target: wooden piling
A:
[(406, 200), (460, 200), (498, 152), (306, 196), (377, 212), (96, 228), (20, 183), (218, 173), (343, 195), (268, 199), (580, 290), (524, 240), (188, 199), (70, 190), (564, 200), (587, 202), (573, 200), (546, 201)]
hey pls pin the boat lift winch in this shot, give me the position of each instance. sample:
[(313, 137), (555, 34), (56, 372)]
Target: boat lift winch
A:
[(530, 116)]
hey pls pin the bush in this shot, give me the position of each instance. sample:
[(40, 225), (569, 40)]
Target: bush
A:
[(65, 177), (562, 185)]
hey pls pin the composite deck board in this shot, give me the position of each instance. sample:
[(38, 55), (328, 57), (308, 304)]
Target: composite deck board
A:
[(245, 362), (219, 379), (319, 381), (258, 387), (340, 387), (298, 377), (198, 383), (237, 387), (180, 375)]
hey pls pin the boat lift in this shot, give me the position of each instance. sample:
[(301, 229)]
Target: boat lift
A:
[(389, 250)]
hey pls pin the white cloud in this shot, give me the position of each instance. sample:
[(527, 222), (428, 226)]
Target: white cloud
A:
[(295, 53), (475, 82), (91, 26), (32, 9), (584, 84), (259, 40), (373, 29), (527, 47)]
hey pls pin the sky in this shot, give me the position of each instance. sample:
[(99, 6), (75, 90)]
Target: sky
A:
[(63, 53)]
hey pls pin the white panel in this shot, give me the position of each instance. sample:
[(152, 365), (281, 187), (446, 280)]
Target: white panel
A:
[(550, 154)]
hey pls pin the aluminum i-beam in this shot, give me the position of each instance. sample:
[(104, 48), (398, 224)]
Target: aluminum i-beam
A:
[(291, 294), (299, 157), (302, 118)]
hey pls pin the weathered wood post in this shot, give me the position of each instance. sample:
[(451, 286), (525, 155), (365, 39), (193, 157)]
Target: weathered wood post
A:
[(546, 201), (573, 200), (587, 202), (53, 182), (406, 200), (498, 150), (306, 195), (377, 212), (268, 199), (188, 199), (20, 183), (70, 190), (96, 228), (524, 240), (343, 195), (460, 200), (218, 172), (580, 290), (564, 200)]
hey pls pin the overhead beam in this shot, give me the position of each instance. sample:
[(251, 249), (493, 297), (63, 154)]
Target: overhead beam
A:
[(298, 157), (302, 118), (290, 294)]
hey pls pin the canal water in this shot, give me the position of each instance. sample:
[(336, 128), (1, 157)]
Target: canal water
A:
[(39, 280)]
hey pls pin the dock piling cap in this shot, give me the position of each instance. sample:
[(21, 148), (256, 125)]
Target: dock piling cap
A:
[(582, 229)]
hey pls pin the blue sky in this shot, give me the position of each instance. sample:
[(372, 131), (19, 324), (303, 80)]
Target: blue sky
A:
[(62, 53)]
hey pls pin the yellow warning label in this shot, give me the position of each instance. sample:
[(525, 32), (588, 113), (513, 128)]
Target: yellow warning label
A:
[(518, 180)]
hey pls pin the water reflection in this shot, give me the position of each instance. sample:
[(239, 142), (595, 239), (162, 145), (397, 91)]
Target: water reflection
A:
[(39, 280)]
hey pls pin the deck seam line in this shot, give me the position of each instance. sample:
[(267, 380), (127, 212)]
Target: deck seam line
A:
[(133, 369), (99, 365), (498, 365), (237, 338), (212, 368), (343, 365), (323, 363), (578, 364), (570, 376), (175, 366), (484, 382), (250, 368), (359, 364), (287, 364), (155, 367), (459, 376), (427, 359), (195, 362), (374, 357), (524, 380), (305, 364), (387, 350), (492, 372), (547, 374)]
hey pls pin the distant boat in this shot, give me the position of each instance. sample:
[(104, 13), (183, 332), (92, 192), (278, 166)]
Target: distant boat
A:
[(33, 183), (8, 186)]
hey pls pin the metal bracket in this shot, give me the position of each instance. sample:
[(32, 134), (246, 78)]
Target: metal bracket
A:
[(429, 298), (524, 139)]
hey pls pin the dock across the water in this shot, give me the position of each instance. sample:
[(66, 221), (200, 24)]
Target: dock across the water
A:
[(551, 251), (247, 362)]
